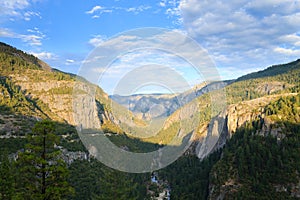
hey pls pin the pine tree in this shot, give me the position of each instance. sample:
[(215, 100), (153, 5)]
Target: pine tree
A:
[(6, 178), (43, 174), (116, 185)]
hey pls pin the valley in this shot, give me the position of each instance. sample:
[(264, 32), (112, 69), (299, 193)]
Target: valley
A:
[(245, 146)]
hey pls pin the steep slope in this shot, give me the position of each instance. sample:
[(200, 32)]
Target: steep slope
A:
[(30, 88), (263, 157), (256, 136), (237, 116), (257, 132), (212, 124), (246, 99), (29, 59)]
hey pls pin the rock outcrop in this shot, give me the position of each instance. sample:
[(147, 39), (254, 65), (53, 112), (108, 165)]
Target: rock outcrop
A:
[(223, 126)]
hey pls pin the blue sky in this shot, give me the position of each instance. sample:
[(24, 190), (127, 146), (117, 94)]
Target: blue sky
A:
[(240, 36)]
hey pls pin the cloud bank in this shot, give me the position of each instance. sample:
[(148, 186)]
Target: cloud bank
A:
[(250, 32)]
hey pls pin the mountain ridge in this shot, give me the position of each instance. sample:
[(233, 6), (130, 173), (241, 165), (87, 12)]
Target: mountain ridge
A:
[(267, 100)]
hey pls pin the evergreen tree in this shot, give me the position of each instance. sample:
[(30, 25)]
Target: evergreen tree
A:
[(43, 174), (116, 185), (6, 178)]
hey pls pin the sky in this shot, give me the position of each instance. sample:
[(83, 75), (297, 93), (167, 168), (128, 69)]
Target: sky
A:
[(240, 36)]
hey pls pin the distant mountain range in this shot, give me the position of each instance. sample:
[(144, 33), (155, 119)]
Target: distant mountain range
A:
[(149, 106)]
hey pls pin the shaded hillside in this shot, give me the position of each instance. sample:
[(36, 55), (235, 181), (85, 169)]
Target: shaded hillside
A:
[(272, 71)]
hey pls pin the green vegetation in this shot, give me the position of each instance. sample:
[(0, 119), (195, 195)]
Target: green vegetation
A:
[(92, 180), (165, 136), (133, 144), (188, 177), (19, 57), (12, 145), (286, 109), (6, 177), (38, 171), (116, 185), (43, 172), (272, 71), (109, 127), (84, 178), (279, 79), (255, 166), (14, 99), (256, 163)]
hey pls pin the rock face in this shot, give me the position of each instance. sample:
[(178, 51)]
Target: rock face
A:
[(59, 98), (224, 125), (271, 87), (29, 88), (58, 103)]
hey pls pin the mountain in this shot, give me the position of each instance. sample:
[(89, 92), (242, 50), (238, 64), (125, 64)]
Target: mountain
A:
[(30, 90), (262, 158), (272, 71), (250, 149), (151, 106), (245, 142), (247, 97), (148, 106), (9, 50)]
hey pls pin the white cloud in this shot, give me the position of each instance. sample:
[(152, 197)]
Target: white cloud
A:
[(122, 42), (94, 9), (173, 12), (6, 33), (171, 9), (97, 10), (34, 38), (244, 32), (285, 7), (125, 53), (91, 60), (97, 40), (137, 10), (292, 39), (11, 7), (289, 52), (44, 55), (70, 61), (163, 3), (29, 14)]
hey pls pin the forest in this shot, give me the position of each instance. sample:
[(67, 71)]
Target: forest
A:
[(42, 156)]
